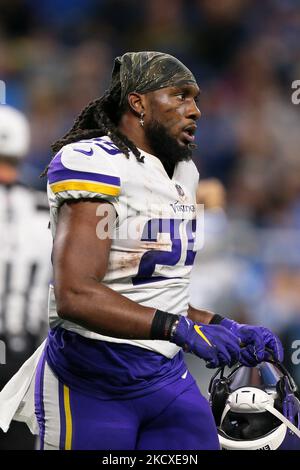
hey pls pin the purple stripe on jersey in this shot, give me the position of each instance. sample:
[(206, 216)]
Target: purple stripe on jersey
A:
[(62, 437), (39, 398), (58, 172)]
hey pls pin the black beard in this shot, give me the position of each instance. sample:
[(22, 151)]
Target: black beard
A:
[(165, 147)]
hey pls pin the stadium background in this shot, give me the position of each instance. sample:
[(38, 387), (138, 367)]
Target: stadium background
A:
[(56, 55)]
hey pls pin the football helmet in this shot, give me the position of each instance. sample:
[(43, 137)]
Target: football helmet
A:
[(256, 408), (14, 133)]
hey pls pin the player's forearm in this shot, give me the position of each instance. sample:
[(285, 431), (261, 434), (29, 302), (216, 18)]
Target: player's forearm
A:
[(200, 316), (102, 310)]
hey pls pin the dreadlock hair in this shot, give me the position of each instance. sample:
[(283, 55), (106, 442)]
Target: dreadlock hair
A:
[(100, 117)]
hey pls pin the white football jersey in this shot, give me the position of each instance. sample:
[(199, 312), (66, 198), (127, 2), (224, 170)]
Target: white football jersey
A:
[(152, 250)]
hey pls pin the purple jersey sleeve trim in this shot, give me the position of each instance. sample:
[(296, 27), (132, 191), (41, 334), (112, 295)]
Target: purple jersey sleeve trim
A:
[(58, 172)]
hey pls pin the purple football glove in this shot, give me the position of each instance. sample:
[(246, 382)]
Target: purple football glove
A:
[(213, 343), (255, 340)]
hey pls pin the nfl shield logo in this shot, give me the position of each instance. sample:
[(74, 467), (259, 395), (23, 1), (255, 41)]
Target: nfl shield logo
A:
[(179, 190)]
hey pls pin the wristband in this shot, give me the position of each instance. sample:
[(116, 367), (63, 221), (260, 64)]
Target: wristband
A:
[(162, 325)]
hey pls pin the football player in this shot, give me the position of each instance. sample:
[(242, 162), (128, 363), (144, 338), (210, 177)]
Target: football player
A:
[(122, 190)]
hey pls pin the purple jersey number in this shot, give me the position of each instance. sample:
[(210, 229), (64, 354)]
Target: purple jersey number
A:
[(190, 231), (109, 147), (166, 258)]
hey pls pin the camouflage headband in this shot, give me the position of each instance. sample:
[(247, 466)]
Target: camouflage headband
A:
[(148, 71)]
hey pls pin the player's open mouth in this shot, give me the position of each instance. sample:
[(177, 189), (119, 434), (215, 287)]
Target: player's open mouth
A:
[(188, 134)]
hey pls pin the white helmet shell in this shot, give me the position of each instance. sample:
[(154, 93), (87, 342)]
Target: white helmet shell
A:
[(250, 400), (14, 133), (253, 400), (269, 442)]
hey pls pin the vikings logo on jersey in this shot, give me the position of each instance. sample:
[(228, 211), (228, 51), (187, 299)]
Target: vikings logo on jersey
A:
[(153, 244)]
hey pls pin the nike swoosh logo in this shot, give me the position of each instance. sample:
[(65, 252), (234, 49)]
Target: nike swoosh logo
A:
[(85, 152), (184, 375), (200, 333)]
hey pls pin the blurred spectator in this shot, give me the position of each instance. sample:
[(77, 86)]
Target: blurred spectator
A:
[(210, 274)]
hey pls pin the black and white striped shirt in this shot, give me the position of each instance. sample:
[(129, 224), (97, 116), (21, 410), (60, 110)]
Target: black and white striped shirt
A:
[(25, 266)]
